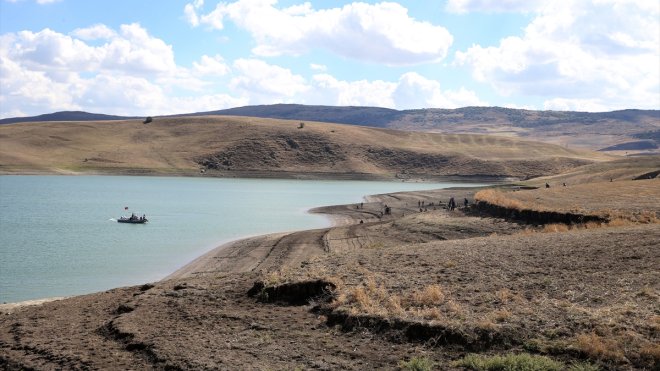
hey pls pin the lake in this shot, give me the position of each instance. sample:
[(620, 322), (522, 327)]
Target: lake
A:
[(59, 235)]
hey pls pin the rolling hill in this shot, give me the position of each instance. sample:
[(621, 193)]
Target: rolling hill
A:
[(241, 146), (632, 131)]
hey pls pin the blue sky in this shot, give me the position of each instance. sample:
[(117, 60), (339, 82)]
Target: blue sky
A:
[(152, 57)]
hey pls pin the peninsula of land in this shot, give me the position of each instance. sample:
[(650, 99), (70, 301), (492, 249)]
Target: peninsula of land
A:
[(559, 270)]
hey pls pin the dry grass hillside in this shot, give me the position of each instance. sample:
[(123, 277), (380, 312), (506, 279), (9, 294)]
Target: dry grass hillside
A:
[(240, 146), (630, 168)]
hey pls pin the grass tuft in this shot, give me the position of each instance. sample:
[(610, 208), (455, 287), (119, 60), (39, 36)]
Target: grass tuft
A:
[(598, 347), (510, 362), (429, 296)]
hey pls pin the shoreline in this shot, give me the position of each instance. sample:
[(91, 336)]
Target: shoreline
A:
[(206, 259), (284, 175), (337, 216)]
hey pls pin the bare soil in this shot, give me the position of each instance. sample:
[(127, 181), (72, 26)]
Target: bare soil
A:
[(421, 281)]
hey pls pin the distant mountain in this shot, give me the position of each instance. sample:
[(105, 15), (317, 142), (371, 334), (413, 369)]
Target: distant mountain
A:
[(65, 116), (593, 130), (599, 130), (353, 115), (430, 117)]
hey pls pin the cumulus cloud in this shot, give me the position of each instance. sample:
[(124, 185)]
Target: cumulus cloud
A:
[(132, 72), (211, 66), (98, 31), (416, 91), (381, 33), (493, 6), (131, 50), (330, 90), (411, 91), (598, 55), (266, 83)]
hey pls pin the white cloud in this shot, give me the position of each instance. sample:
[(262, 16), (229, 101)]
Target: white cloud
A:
[(318, 67), (329, 90), (132, 50), (190, 14), (381, 33), (603, 54), (266, 83), (136, 50), (29, 91), (416, 91), (98, 31), (493, 6), (411, 91), (562, 104), (131, 73), (214, 66)]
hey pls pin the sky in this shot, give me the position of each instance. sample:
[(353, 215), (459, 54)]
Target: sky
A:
[(156, 57)]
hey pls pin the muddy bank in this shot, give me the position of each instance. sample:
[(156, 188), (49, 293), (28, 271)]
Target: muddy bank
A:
[(533, 216)]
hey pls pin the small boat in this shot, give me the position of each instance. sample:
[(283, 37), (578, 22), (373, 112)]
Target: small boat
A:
[(133, 219)]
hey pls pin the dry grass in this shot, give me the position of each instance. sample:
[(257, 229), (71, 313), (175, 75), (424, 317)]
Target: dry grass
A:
[(495, 197), (636, 201), (540, 200), (603, 308), (599, 347), (172, 145), (428, 303), (555, 227), (652, 352), (429, 296)]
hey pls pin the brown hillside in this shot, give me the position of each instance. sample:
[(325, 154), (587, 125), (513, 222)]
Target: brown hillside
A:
[(239, 146), (629, 168)]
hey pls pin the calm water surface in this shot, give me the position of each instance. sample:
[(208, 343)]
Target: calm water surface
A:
[(59, 235)]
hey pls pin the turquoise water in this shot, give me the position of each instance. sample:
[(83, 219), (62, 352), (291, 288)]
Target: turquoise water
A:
[(59, 235)]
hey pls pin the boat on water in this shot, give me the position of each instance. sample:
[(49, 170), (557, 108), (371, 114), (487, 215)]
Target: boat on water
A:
[(133, 219)]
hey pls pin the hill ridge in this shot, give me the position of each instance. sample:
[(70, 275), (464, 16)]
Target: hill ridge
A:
[(590, 130)]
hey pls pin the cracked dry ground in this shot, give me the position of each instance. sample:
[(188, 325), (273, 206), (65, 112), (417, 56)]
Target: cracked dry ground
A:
[(204, 324)]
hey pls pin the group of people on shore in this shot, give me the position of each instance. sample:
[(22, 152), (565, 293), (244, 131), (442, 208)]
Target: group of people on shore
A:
[(423, 206), (451, 204)]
